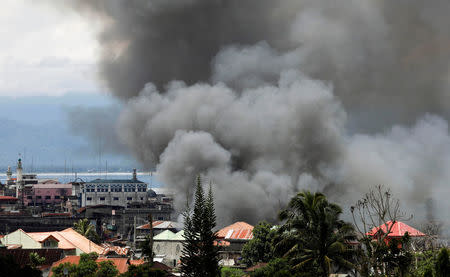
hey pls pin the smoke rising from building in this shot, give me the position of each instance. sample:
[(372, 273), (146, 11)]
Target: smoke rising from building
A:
[(268, 97)]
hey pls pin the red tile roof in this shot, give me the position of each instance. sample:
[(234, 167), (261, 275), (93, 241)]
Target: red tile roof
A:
[(396, 231), (120, 263), (5, 198), (147, 226), (123, 251), (238, 231)]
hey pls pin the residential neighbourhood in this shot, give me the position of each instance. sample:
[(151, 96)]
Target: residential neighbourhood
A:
[(117, 236), (225, 138)]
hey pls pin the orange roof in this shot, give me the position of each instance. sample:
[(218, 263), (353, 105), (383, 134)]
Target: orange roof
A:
[(239, 231), (69, 239), (399, 229), (147, 226), (8, 198), (120, 263), (107, 248)]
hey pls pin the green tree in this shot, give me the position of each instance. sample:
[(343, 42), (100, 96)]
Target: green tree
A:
[(147, 244), (377, 208), (276, 268), (9, 267), (259, 248), (231, 272), (144, 270), (442, 266), (106, 269), (85, 228), (87, 267), (36, 260), (200, 256), (313, 238)]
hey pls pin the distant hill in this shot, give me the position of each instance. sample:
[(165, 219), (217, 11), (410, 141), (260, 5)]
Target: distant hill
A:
[(37, 127)]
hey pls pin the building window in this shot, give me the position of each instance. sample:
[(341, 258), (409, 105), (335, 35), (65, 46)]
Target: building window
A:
[(48, 197), (50, 243), (129, 198), (38, 197), (89, 198), (102, 198), (57, 197), (142, 198), (116, 198), (29, 197)]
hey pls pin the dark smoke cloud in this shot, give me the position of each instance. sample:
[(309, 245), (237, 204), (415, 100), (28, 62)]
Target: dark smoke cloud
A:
[(159, 41), (276, 96)]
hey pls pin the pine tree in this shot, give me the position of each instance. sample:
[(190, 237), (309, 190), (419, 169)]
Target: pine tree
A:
[(200, 256)]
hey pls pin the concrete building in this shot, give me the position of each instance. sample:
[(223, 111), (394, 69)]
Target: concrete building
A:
[(231, 239), (49, 192), (113, 192), (7, 203), (167, 247)]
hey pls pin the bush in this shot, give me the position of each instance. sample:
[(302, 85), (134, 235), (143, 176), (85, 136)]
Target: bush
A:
[(231, 272)]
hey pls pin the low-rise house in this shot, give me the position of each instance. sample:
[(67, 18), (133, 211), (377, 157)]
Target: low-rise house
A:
[(8, 203), (120, 263), (167, 247), (231, 239), (159, 226), (69, 240)]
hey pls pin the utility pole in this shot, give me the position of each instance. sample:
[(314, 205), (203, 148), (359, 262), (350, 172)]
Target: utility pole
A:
[(134, 232), (150, 224)]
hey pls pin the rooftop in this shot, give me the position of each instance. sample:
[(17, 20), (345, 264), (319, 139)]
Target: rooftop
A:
[(161, 225), (236, 231), (68, 239), (8, 198), (169, 235), (120, 263), (396, 230), (114, 181)]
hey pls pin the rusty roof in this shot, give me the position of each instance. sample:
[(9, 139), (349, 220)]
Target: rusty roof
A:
[(396, 230), (120, 263), (236, 231)]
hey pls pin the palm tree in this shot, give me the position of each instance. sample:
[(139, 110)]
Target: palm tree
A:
[(313, 237), (85, 228)]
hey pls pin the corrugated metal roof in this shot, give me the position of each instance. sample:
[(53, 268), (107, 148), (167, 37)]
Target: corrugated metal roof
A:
[(68, 239), (166, 235), (114, 181), (162, 225), (397, 230), (238, 231)]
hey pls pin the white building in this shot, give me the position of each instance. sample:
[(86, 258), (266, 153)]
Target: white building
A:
[(113, 192)]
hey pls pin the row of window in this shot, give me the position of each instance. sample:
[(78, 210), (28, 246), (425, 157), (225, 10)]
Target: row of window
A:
[(117, 190), (114, 198), (46, 197)]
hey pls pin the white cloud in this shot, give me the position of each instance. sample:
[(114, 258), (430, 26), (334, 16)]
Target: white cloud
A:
[(45, 51)]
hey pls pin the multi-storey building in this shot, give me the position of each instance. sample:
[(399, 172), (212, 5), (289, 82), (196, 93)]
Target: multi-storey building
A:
[(113, 192), (48, 192)]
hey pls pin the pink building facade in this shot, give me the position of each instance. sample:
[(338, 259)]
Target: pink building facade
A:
[(49, 192)]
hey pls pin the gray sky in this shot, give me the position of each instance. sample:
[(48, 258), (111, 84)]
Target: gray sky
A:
[(45, 51)]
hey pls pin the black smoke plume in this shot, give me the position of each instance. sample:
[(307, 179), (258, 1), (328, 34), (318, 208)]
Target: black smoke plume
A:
[(268, 97)]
